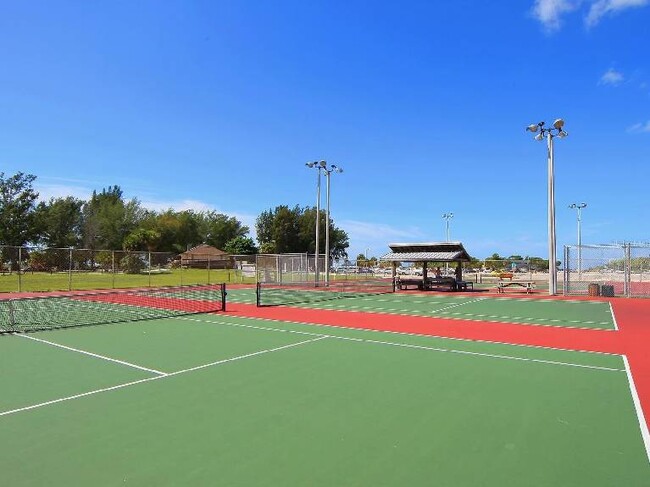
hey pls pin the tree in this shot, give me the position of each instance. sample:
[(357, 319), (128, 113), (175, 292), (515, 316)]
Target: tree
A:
[(142, 239), (285, 229), (108, 219), (59, 222), (240, 246), (217, 229), (17, 200)]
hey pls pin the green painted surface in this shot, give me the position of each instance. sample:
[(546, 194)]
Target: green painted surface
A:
[(336, 412), (576, 314), (444, 344)]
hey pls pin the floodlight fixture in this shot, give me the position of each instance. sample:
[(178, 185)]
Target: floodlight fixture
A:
[(579, 207), (550, 133), (447, 217)]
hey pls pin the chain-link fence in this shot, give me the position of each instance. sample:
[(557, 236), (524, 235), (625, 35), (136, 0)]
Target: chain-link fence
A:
[(607, 270), (26, 269)]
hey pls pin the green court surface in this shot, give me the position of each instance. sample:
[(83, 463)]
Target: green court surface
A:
[(222, 400), (569, 313)]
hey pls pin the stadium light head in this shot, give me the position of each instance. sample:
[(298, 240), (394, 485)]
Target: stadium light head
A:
[(561, 134), (558, 124), (309, 164), (532, 127), (539, 136), (322, 164), (335, 168)]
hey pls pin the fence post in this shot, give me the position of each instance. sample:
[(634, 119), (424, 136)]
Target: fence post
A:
[(567, 274), (113, 268), (20, 267), (70, 272)]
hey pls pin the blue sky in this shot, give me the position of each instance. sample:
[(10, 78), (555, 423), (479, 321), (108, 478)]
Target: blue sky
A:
[(218, 105)]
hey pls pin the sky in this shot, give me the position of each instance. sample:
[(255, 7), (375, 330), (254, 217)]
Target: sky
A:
[(219, 104)]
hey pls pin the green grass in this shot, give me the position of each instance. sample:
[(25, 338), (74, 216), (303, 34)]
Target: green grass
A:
[(337, 407), (62, 281)]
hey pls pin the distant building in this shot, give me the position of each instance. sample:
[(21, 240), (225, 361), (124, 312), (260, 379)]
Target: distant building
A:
[(206, 256)]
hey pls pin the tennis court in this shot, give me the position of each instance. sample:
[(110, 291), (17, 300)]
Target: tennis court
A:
[(260, 396)]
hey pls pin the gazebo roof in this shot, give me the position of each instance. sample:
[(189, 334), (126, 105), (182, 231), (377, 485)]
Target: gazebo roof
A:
[(427, 252)]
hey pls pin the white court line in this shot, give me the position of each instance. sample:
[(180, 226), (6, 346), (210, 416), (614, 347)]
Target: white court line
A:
[(457, 305), (84, 352), (645, 434), (613, 316), (406, 345), (149, 379)]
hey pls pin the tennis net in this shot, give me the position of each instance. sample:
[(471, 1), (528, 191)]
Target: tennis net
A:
[(102, 307), (278, 294)]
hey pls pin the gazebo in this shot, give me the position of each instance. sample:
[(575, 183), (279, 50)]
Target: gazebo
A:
[(425, 253)]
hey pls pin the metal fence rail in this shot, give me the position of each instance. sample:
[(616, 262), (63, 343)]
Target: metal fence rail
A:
[(27, 269), (607, 270)]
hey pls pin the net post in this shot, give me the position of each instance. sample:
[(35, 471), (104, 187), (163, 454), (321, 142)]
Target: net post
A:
[(565, 286), (257, 294), (223, 296)]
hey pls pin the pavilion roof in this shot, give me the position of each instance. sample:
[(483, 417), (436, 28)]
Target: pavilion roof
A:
[(427, 252)]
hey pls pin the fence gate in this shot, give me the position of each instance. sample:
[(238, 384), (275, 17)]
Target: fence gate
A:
[(607, 270)]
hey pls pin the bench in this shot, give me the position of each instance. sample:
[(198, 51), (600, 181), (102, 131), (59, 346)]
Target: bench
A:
[(502, 285), (441, 282), (464, 285), (405, 283)]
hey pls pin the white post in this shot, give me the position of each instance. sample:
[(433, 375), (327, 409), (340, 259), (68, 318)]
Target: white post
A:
[(327, 232), (579, 243), (552, 258), (316, 278)]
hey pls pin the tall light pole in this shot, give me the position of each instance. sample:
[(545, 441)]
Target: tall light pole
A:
[(318, 165), (447, 217), (550, 133), (579, 207), (328, 170)]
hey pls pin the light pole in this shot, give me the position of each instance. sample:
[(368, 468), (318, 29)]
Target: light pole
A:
[(328, 170), (447, 217), (550, 134), (579, 207), (318, 165)]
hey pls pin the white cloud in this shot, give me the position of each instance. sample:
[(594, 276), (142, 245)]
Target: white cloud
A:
[(611, 77), (600, 8), (549, 12), (375, 237), (47, 191), (640, 128)]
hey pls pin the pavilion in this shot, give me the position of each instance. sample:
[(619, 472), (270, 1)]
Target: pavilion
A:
[(425, 253)]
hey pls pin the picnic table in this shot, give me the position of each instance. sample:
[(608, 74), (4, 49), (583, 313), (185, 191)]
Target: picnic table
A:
[(528, 285)]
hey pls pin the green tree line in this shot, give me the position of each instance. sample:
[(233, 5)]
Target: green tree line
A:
[(108, 221)]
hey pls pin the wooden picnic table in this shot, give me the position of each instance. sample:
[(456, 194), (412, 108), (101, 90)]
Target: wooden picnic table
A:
[(528, 285)]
